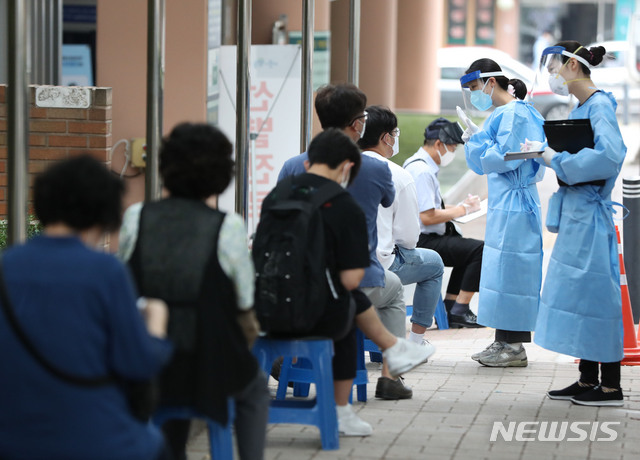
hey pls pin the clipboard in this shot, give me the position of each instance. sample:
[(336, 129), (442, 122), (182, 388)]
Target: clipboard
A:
[(522, 155), (562, 136), (474, 215), (571, 136)]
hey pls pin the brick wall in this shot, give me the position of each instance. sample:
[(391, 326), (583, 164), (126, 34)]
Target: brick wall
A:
[(58, 133)]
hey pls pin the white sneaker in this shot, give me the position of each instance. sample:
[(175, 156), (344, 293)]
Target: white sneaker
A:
[(349, 424), (426, 343), (405, 355), (491, 349)]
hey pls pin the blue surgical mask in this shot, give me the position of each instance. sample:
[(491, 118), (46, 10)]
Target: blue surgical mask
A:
[(481, 100)]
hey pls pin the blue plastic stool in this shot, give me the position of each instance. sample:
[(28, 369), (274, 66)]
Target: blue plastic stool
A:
[(320, 411), (300, 374), (220, 437), (440, 316)]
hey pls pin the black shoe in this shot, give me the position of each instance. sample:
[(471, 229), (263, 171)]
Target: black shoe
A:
[(572, 390), (596, 397), (467, 319), (276, 368), (392, 389)]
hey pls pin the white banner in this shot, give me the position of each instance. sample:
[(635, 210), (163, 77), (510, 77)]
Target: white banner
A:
[(274, 117)]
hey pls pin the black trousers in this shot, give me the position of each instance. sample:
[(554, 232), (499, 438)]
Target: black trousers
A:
[(463, 254), (512, 336), (345, 350), (610, 373)]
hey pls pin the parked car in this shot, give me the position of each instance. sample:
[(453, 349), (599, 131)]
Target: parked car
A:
[(613, 75), (454, 60)]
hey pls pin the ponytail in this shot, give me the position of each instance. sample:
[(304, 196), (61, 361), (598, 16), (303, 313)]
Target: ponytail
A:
[(519, 88)]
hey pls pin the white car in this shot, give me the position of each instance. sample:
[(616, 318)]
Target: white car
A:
[(454, 60), (613, 75)]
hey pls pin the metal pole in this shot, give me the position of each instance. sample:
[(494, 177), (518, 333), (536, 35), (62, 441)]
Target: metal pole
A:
[(56, 43), (631, 230), (354, 42), (18, 122), (242, 105), (155, 92), (308, 9)]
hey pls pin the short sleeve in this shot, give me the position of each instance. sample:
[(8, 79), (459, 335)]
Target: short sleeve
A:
[(348, 227), (235, 259)]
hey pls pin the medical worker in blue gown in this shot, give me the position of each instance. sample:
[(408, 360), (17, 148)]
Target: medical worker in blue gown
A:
[(581, 308), (512, 258)]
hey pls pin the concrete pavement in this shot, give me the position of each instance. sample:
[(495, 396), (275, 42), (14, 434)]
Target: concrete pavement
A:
[(455, 404)]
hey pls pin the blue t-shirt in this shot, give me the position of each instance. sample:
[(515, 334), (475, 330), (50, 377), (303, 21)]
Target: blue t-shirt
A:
[(78, 308), (372, 186)]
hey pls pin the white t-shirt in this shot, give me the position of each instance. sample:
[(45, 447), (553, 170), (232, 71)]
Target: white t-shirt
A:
[(398, 224), (425, 175)]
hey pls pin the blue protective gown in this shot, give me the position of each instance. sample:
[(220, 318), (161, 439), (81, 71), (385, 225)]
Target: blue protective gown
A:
[(512, 258), (581, 308)]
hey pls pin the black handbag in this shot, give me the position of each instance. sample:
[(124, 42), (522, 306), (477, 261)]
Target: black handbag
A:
[(142, 396)]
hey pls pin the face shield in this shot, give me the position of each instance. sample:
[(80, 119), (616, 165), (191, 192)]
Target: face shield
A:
[(451, 134), (550, 74), (475, 95)]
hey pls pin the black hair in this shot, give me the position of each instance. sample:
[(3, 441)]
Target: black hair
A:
[(593, 55), (195, 161), (489, 65), (79, 192), (337, 106), (380, 120), (331, 147)]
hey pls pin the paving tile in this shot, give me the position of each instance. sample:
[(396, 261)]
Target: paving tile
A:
[(454, 407)]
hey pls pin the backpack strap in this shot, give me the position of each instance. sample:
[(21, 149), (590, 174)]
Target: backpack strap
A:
[(9, 312), (325, 193), (318, 197), (413, 161)]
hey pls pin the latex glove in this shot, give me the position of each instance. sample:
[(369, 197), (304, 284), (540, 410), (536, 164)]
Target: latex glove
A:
[(467, 135), (531, 146), (548, 155), (471, 204), (471, 126)]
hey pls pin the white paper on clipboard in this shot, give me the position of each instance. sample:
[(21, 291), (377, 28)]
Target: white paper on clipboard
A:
[(474, 215)]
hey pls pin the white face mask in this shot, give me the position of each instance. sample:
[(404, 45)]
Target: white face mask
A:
[(395, 148), (364, 126), (447, 157), (346, 175), (558, 84)]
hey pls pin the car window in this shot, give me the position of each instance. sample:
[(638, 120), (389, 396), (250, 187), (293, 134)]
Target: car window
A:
[(451, 73), (613, 59)]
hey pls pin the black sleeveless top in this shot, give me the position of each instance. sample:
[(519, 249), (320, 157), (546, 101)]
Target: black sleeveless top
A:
[(175, 259)]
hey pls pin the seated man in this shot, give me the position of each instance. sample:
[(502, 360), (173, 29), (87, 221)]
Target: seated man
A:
[(332, 156), (342, 107), (399, 225), (441, 138)]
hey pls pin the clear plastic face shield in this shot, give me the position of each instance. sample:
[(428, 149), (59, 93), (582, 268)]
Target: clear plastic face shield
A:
[(476, 91), (551, 74)]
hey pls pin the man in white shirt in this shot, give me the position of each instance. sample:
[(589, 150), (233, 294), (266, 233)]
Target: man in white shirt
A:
[(399, 228), (437, 231)]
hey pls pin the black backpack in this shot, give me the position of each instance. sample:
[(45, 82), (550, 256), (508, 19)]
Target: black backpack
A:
[(293, 283)]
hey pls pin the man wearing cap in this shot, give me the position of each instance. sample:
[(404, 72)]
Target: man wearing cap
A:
[(437, 232)]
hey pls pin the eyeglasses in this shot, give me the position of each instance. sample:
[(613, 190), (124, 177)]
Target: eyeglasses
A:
[(395, 132), (365, 115)]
